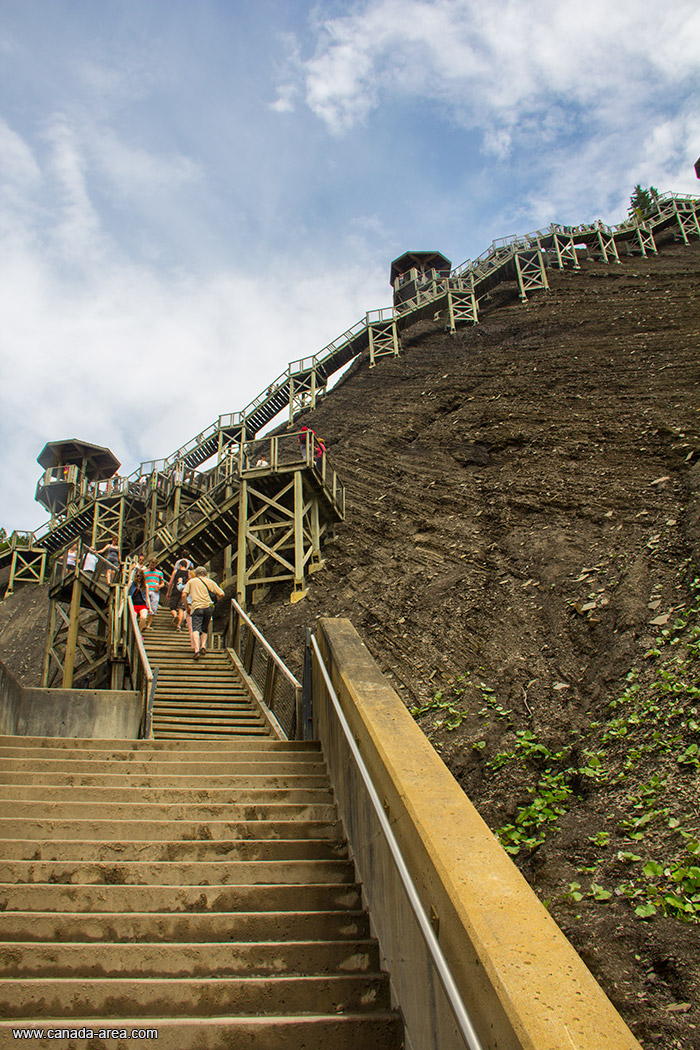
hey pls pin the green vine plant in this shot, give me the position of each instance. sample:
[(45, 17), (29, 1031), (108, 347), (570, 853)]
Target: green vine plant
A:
[(656, 717)]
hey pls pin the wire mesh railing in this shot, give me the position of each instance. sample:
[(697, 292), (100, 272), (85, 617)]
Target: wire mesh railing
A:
[(275, 685)]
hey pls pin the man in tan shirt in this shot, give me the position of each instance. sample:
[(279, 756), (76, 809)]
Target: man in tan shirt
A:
[(199, 596)]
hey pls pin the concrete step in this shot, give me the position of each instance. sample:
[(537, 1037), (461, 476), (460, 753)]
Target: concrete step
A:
[(159, 830), (380, 1030), (176, 927), (187, 997), (176, 872), (194, 959), (20, 744), (126, 898), (138, 811), (183, 753), (234, 767), (139, 850), (167, 796), (201, 889), (164, 781)]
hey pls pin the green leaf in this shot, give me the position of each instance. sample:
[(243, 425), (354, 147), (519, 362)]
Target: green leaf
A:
[(645, 911), (653, 870)]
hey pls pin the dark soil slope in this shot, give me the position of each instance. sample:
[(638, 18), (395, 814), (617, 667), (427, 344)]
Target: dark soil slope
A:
[(520, 555)]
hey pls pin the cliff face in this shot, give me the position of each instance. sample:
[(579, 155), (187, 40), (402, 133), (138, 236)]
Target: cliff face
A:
[(519, 555)]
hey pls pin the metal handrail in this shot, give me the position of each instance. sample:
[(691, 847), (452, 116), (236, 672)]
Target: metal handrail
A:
[(459, 1010), (293, 681), (275, 665)]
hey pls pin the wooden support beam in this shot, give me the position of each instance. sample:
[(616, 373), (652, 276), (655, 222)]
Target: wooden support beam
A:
[(72, 639), (299, 591), (531, 274), (242, 536)]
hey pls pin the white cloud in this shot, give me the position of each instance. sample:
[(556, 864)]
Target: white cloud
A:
[(491, 65), (130, 170), (116, 352), (18, 165)]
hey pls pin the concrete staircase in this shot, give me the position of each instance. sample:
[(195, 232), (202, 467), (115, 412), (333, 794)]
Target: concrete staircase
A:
[(205, 699), (198, 888)]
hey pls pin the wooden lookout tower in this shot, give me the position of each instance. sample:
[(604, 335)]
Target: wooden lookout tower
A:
[(414, 269)]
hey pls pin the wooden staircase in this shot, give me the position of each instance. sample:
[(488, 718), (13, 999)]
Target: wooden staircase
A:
[(198, 887), (203, 699)]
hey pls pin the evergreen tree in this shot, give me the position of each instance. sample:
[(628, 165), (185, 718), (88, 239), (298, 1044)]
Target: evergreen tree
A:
[(642, 201)]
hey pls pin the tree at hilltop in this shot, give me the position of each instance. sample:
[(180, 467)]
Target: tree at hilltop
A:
[(643, 201)]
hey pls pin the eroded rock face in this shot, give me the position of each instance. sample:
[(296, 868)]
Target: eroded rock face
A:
[(23, 622), (523, 508)]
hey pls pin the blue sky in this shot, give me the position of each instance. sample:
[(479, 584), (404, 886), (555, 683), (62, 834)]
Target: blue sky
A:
[(195, 192)]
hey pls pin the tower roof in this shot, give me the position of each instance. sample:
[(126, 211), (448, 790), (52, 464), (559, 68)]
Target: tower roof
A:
[(96, 462), (419, 260)]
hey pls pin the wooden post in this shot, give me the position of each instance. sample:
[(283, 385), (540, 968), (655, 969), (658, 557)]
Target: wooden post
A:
[(298, 531), (242, 535), (49, 643), (72, 638)]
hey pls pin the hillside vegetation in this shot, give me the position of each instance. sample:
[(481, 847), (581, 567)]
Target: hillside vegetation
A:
[(521, 557)]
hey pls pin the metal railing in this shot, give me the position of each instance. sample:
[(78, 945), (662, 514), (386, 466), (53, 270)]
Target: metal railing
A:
[(359, 777), (277, 687)]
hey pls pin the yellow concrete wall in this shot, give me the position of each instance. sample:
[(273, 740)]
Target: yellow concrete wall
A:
[(523, 983)]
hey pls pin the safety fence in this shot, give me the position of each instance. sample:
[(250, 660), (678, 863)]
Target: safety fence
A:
[(273, 683)]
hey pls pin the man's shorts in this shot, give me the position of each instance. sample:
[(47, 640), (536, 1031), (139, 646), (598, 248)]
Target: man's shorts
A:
[(201, 618), (153, 600)]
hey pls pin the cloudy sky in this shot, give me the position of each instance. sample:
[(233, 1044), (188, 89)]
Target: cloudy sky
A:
[(195, 192)]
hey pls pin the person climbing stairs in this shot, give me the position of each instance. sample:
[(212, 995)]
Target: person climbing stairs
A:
[(206, 699)]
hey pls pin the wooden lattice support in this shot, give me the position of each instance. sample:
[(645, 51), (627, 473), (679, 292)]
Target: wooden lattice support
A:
[(462, 305), (108, 521), (304, 387), (383, 335), (529, 266), (282, 519), (28, 565), (565, 250), (642, 242), (605, 249), (78, 643), (687, 218)]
